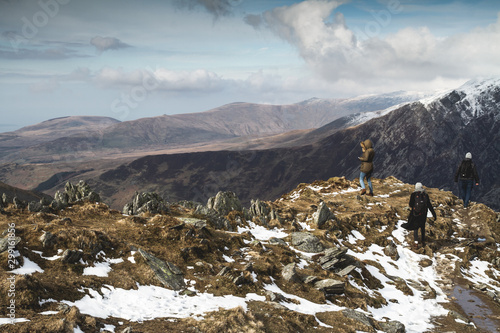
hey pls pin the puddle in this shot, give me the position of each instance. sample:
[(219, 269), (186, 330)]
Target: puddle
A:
[(477, 310)]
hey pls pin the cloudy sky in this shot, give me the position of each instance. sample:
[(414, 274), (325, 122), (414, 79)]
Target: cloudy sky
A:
[(129, 59)]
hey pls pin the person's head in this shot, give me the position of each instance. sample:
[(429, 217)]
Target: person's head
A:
[(419, 187), (468, 155)]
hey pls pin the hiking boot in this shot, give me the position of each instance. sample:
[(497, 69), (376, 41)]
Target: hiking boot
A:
[(363, 192), (370, 194)]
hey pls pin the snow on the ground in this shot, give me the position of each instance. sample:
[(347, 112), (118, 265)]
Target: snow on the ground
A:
[(29, 267), (408, 268), (101, 268), (149, 302), (262, 233)]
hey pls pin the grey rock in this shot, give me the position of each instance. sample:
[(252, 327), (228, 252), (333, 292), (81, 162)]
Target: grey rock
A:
[(333, 257), (311, 279), (19, 204), (71, 256), (224, 202), (391, 250), (330, 286), (277, 241), (74, 193), (7, 242), (358, 316), (48, 239), (259, 208), (146, 202), (167, 273), (393, 326), (457, 315), (240, 280), (289, 273), (224, 271), (306, 242), (322, 214), (345, 271)]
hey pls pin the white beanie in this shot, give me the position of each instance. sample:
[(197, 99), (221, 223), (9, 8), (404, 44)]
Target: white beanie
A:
[(468, 155), (419, 187)]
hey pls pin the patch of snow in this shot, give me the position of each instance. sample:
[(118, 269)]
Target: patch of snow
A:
[(149, 302), (29, 267), (262, 233), (227, 259)]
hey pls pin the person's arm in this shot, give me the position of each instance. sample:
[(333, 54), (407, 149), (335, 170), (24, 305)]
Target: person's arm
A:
[(364, 157), (476, 176)]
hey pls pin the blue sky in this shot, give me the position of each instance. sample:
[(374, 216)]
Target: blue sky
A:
[(131, 59)]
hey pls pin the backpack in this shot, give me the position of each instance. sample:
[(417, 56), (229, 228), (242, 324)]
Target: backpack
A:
[(420, 203), (466, 169)]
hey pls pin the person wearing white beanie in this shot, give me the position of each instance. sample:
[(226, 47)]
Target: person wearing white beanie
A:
[(466, 176), (419, 203)]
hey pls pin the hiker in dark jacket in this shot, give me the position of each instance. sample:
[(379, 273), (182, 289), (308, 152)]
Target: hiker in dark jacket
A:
[(366, 166), (420, 203), (466, 175)]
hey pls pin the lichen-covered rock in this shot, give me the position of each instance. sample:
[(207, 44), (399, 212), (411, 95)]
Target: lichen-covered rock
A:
[(167, 273), (224, 202), (146, 202), (322, 214), (307, 242)]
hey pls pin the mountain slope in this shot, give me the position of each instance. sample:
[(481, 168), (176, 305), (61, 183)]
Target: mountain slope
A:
[(50, 130), (226, 122), (419, 141), (273, 268)]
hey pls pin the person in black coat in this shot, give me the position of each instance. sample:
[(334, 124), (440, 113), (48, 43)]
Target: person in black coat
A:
[(466, 175), (420, 203)]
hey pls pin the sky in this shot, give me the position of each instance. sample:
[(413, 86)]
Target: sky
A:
[(129, 59)]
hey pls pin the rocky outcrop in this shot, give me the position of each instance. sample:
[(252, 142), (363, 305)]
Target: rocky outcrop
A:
[(224, 202), (146, 202), (73, 194), (322, 215), (307, 242), (167, 273)]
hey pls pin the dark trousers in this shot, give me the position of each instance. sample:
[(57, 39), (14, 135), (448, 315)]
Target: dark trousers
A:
[(465, 190), (422, 233)]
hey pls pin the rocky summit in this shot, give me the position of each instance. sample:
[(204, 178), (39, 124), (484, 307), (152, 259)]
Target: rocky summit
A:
[(322, 258)]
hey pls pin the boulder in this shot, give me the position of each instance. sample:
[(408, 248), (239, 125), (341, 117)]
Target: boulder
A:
[(71, 256), (167, 273), (74, 193), (330, 286), (332, 257), (224, 202), (7, 242), (360, 317), (322, 214), (289, 273), (48, 239), (146, 202), (391, 250), (307, 242)]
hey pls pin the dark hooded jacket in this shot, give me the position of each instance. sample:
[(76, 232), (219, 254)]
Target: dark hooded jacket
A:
[(367, 157), (467, 170)]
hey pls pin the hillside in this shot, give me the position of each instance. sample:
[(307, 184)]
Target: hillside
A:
[(49, 130), (319, 259), (194, 131), (420, 141)]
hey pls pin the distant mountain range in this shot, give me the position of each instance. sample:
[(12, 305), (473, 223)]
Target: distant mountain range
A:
[(235, 124), (262, 151)]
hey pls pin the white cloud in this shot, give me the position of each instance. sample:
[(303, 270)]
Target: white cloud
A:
[(411, 55), (107, 43)]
